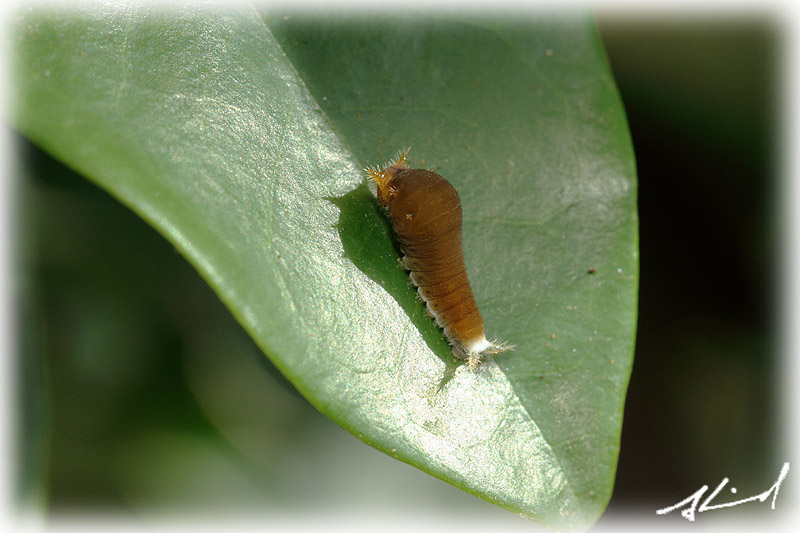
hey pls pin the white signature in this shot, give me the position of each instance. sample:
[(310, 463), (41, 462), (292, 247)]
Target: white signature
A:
[(693, 500)]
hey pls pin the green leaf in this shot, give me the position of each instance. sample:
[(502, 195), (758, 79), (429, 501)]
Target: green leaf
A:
[(205, 121)]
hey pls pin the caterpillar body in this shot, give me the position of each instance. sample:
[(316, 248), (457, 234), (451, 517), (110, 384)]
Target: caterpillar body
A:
[(425, 211)]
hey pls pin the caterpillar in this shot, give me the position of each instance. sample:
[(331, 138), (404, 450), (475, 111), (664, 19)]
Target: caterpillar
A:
[(425, 212)]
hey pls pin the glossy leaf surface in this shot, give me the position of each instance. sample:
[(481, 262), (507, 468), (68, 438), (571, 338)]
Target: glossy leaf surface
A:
[(205, 121)]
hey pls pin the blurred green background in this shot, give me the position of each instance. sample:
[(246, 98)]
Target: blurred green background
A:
[(703, 101), (141, 393)]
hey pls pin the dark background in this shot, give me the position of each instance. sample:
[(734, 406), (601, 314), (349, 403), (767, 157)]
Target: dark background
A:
[(136, 379), (704, 106)]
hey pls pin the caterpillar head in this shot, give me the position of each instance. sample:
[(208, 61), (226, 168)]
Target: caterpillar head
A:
[(383, 178)]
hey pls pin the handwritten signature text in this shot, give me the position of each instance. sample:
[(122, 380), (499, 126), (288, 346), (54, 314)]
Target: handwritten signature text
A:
[(693, 505)]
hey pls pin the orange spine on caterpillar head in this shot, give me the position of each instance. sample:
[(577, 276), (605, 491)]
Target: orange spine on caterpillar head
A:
[(426, 216)]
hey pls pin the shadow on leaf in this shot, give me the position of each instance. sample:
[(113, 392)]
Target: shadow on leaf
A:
[(368, 242)]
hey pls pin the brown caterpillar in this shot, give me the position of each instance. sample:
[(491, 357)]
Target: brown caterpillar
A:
[(426, 216)]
